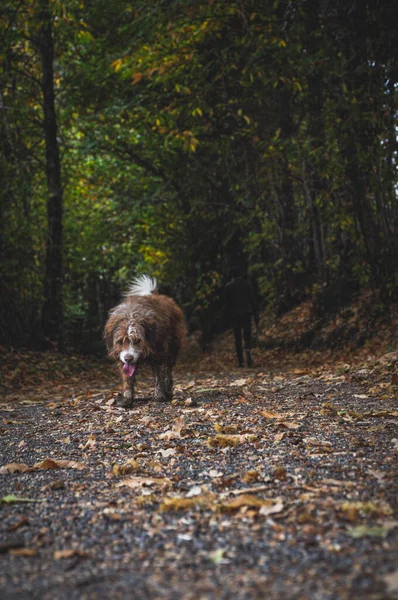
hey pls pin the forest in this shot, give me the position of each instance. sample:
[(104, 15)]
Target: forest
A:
[(181, 138)]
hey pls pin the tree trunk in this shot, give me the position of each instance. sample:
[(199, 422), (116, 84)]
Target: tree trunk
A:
[(286, 206), (53, 308)]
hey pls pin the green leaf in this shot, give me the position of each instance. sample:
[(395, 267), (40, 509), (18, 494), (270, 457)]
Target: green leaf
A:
[(368, 531), (10, 499)]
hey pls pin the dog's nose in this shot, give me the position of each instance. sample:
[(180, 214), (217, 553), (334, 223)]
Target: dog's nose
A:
[(128, 358)]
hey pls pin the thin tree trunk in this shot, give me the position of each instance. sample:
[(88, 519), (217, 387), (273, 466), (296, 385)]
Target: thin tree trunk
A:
[(286, 205), (52, 309)]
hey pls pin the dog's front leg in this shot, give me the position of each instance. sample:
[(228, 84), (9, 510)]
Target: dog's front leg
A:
[(159, 372), (127, 398)]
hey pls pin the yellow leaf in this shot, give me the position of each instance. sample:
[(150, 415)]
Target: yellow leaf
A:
[(225, 428), (223, 441), (116, 64), (176, 504)]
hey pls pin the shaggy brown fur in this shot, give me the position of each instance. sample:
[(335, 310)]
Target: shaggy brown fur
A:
[(145, 328)]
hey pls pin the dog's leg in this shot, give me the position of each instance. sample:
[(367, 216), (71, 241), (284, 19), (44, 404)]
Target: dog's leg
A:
[(169, 382), (159, 372), (127, 399)]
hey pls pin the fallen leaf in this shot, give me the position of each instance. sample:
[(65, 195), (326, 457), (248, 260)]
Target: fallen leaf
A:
[(223, 441), (91, 442), (175, 432), (23, 551), (311, 441), (280, 473), (270, 415), (14, 468), (391, 581), (137, 78), (214, 473), (50, 463), (217, 556), (228, 429), (250, 490), (138, 482), (250, 476), (354, 509), (271, 508), (367, 531), (68, 553), (10, 499), (178, 503), (168, 452), (287, 425), (244, 500), (238, 383), (196, 490), (126, 468)]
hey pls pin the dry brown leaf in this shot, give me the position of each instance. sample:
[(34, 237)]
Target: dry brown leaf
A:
[(270, 415), (251, 490), (311, 441), (250, 476), (51, 463), (138, 482), (225, 429), (223, 441), (354, 509), (338, 482), (137, 78), (238, 382), (91, 442), (280, 473), (14, 468), (175, 432), (126, 468), (287, 425), (68, 553), (244, 500), (179, 503), (23, 551)]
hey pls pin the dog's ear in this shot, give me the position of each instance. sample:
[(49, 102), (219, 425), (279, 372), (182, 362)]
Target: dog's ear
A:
[(109, 331), (108, 335), (151, 333)]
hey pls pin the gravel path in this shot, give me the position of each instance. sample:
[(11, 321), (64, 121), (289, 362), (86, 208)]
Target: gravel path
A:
[(249, 485)]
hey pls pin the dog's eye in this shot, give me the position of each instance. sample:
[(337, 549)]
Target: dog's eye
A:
[(119, 342), (136, 341)]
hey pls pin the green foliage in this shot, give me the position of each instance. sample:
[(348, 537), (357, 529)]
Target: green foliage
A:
[(196, 136)]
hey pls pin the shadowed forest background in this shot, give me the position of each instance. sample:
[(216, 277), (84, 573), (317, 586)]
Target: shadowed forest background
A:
[(182, 138)]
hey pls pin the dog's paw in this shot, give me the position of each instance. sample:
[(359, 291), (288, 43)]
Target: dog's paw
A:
[(124, 401), (161, 398)]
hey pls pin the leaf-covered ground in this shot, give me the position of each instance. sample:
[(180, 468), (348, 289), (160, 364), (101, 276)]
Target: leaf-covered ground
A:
[(276, 482)]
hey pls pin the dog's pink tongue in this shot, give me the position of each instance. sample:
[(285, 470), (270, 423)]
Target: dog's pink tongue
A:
[(129, 369)]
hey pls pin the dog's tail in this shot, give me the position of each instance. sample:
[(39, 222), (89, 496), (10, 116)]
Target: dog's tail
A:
[(142, 286)]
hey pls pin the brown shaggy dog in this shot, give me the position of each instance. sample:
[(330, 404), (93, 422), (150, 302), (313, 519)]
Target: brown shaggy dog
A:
[(146, 328)]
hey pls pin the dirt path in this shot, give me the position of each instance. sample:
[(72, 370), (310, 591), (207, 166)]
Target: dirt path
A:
[(249, 485)]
